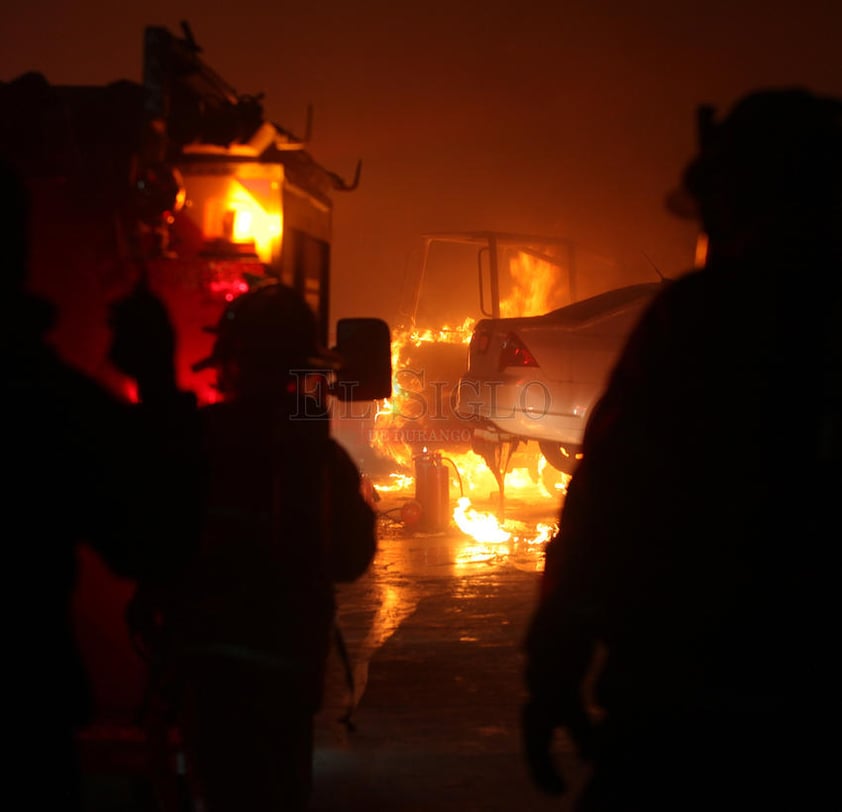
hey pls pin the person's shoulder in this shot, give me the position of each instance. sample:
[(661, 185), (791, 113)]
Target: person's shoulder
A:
[(342, 462), (222, 424), (680, 301), (339, 453), (71, 384), (684, 288)]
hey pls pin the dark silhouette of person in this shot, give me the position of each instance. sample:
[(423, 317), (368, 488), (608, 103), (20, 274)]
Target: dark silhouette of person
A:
[(80, 470), (248, 630), (683, 637)]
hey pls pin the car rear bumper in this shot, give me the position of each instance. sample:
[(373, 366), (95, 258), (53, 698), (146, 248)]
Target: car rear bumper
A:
[(528, 411)]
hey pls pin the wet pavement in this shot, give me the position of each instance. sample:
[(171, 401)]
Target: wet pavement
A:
[(433, 633), (436, 726)]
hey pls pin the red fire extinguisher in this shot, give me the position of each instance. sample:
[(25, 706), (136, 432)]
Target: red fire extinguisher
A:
[(432, 492)]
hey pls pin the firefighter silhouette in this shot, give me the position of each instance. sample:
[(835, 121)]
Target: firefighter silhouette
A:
[(82, 472), (248, 631), (693, 566)]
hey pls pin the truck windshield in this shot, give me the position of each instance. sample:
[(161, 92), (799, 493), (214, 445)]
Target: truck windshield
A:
[(463, 278)]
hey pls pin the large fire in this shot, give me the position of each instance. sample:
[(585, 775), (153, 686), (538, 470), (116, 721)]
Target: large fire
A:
[(417, 417), (537, 287)]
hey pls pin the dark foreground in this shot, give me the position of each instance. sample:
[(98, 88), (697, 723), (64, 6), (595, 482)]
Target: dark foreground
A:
[(433, 635)]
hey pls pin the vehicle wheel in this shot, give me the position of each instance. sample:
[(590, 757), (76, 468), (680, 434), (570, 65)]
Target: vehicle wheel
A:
[(560, 457), (554, 481)]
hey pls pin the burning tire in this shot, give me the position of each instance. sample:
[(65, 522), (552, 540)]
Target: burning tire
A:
[(561, 457)]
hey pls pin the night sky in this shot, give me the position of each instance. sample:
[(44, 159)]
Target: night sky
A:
[(570, 119)]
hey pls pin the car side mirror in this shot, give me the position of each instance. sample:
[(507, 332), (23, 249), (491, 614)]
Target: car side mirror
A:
[(364, 346)]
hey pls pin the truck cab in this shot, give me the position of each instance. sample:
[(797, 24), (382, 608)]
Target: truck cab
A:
[(179, 181)]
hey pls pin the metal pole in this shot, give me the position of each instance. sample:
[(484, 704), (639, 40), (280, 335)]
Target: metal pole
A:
[(494, 280)]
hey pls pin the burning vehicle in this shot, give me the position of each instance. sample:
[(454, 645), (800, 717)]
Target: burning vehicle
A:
[(537, 378), (460, 278), (465, 286)]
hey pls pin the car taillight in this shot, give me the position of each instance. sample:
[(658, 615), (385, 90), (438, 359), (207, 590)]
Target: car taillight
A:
[(515, 353)]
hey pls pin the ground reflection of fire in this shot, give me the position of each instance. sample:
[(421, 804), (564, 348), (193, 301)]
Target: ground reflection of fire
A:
[(408, 422)]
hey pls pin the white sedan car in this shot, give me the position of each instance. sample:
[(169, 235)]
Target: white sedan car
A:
[(538, 377)]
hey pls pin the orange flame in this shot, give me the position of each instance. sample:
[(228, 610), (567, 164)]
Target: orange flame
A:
[(492, 539), (397, 412), (536, 286), (481, 526)]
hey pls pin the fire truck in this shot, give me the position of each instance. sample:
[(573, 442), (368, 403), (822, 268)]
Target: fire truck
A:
[(178, 180)]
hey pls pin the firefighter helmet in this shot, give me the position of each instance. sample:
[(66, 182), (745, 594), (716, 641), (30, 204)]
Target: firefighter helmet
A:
[(266, 332), (777, 150)]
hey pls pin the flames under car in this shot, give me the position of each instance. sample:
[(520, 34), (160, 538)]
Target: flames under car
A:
[(538, 377)]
